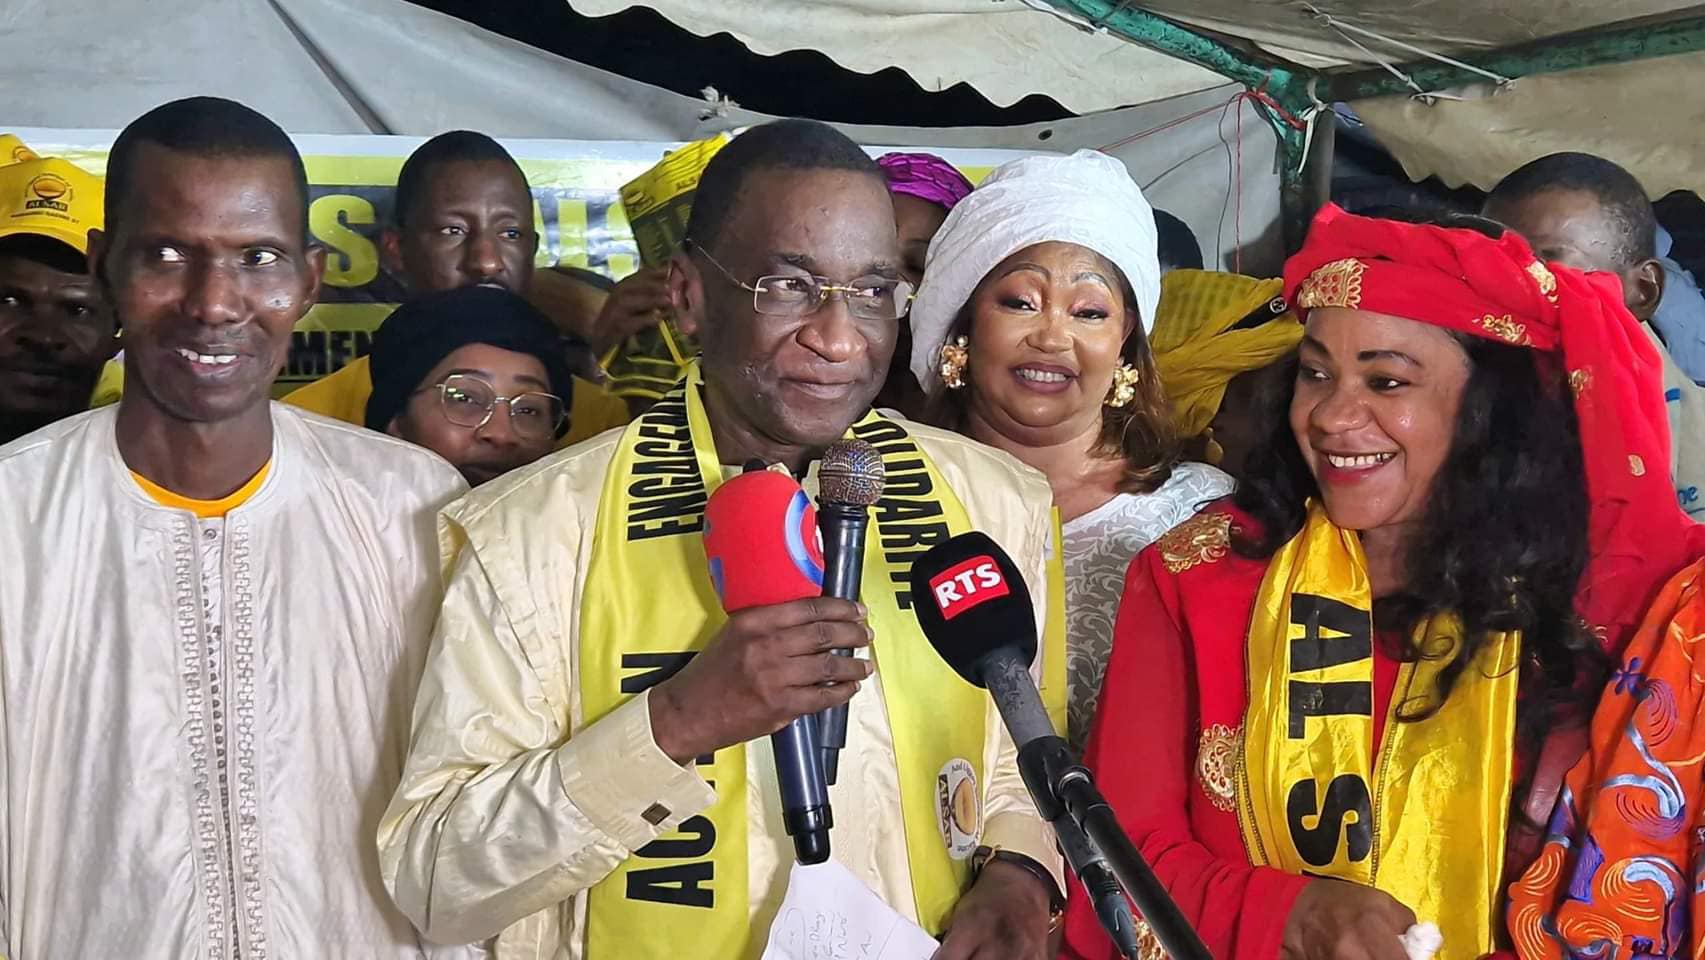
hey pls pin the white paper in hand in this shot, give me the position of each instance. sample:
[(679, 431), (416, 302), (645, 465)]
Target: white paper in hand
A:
[(1422, 940), (829, 915)]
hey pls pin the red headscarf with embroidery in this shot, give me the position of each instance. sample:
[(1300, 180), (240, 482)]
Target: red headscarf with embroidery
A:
[(1463, 280)]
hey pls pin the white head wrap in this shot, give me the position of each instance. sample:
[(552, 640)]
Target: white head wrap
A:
[(1087, 198)]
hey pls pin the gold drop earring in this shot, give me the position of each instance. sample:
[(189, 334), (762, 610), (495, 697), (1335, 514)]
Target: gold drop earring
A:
[(954, 356), (1124, 386)]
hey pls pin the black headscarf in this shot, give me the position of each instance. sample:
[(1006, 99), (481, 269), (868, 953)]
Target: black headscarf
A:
[(418, 335)]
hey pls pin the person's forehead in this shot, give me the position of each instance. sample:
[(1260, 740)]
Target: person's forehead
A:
[(212, 191), (28, 271), (498, 362), (916, 216), (841, 214), (455, 181), (1350, 331), (1560, 208)]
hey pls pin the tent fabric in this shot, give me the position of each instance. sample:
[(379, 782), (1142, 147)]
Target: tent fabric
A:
[(390, 67), (314, 66), (1010, 48), (1441, 26), (1006, 49), (1639, 114)]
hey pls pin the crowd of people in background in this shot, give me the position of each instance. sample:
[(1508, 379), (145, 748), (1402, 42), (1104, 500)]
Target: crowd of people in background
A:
[(1369, 592)]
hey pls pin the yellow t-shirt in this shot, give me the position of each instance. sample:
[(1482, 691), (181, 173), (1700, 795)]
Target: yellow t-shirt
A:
[(203, 509), (343, 396)]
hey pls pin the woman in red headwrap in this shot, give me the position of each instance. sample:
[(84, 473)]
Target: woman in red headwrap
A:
[(1337, 705)]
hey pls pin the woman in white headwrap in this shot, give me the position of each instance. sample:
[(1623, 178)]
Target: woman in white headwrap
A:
[(1030, 336)]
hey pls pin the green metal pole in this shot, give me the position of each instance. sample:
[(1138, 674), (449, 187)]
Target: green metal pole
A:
[(1551, 55), (1286, 82), (1304, 181)]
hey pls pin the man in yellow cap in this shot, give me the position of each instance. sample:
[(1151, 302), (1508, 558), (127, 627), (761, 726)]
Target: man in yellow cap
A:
[(54, 333)]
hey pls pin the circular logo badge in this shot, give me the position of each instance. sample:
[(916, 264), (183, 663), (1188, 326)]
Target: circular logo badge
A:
[(49, 187), (959, 807), (804, 540)]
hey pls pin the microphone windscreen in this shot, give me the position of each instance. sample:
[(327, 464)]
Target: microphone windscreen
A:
[(761, 538), (970, 599), (852, 473)]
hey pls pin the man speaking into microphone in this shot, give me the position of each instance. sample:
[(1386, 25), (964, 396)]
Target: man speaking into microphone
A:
[(591, 774)]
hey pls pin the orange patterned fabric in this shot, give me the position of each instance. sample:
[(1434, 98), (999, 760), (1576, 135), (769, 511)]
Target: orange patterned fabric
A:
[(1623, 866)]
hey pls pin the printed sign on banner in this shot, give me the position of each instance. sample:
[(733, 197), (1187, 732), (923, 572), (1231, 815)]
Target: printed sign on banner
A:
[(351, 179)]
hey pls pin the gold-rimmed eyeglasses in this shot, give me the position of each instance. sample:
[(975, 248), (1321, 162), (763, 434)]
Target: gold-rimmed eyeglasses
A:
[(797, 295), (470, 401)]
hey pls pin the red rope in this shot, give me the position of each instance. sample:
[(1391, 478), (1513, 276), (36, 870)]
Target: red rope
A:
[(1258, 98)]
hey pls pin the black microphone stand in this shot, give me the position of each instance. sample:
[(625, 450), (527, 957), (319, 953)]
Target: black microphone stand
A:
[(1061, 786)]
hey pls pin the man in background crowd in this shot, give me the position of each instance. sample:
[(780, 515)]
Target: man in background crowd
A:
[(209, 640), (462, 216), (477, 375), (55, 335), (1680, 317), (1586, 212)]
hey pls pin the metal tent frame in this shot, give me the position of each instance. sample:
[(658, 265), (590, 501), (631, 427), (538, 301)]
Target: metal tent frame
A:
[(1295, 99)]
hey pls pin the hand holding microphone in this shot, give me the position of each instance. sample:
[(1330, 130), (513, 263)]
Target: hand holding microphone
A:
[(767, 666), (769, 670)]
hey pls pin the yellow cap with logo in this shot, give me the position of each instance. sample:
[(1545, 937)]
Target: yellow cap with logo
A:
[(47, 196), (13, 150)]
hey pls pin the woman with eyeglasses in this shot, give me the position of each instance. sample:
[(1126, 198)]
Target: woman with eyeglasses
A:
[(1030, 336), (477, 375)]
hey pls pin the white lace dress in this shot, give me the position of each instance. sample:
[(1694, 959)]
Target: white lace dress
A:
[(1098, 548)]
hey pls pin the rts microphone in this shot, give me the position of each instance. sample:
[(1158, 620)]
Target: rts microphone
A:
[(848, 484), (974, 607), (761, 541)]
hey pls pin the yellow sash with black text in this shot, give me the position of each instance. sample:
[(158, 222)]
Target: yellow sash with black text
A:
[(1423, 819), (649, 605)]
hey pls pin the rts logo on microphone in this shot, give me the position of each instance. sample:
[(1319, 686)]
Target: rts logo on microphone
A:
[(965, 585)]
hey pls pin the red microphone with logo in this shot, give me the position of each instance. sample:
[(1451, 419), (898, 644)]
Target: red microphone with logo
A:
[(762, 543)]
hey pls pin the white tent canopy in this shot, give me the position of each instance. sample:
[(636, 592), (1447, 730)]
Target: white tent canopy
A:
[(1632, 113), (386, 66), (390, 67)]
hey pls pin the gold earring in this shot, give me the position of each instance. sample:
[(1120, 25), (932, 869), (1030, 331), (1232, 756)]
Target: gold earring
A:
[(1124, 386), (953, 359)]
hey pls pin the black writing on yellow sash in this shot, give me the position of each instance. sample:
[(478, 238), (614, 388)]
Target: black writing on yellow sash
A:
[(682, 884), (1350, 640), (1346, 794), (666, 495), (1314, 651), (654, 669), (908, 518)]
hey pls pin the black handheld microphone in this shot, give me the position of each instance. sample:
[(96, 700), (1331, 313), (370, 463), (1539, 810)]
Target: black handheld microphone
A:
[(973, 606), (758, 532), (848, 485)]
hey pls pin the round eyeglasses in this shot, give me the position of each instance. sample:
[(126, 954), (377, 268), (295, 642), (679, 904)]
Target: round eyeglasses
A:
[(469, 401)]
